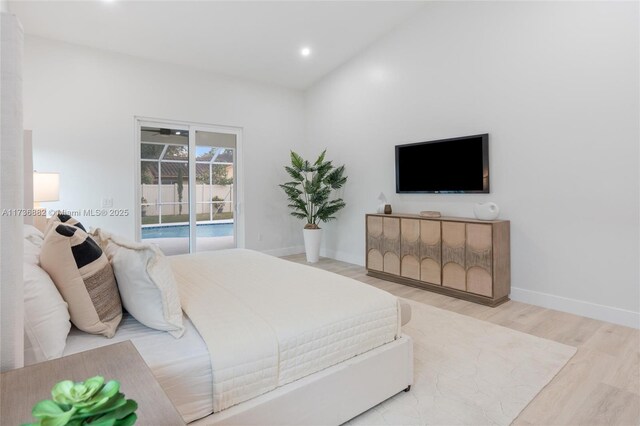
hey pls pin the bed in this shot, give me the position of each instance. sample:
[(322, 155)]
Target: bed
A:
[(300, 345)]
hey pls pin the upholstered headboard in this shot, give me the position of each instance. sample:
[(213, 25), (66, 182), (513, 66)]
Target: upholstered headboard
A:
[(12, 195), (27, 147)]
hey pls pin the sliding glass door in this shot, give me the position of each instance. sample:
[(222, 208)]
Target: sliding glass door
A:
[(215, 191), (187, 189)]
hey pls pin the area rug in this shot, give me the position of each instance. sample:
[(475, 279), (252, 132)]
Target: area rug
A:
[(468, 372)]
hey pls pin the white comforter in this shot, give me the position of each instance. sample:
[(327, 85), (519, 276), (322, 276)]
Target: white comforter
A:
[(268, 322)]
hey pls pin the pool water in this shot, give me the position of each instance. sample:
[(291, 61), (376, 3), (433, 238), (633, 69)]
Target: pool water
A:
[(182, 231)]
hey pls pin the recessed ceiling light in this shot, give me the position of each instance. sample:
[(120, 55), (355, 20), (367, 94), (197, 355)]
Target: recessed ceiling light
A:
[(305, 51), (178, 132)]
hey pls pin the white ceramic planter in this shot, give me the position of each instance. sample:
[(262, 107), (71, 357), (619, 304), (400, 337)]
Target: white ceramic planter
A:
[(312, 239)]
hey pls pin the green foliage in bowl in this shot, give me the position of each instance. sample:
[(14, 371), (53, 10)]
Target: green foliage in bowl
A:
[(92, 402)]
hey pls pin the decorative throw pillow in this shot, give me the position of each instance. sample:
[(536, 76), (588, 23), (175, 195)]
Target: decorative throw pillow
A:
[(46, 316), (147, 286), (84, 277), (59, 217)]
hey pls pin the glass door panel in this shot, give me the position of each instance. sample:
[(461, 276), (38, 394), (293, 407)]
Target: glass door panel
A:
[(215, 157), (164, 180)]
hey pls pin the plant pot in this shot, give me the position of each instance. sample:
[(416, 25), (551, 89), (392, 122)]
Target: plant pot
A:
[(312, 239)]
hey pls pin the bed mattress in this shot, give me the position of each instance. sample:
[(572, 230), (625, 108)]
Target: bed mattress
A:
[(181, 366), (268, 322)]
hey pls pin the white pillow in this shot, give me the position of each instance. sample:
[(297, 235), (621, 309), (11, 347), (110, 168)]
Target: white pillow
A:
[(33, 235), (31, 253), (46, 315), (145, 279)]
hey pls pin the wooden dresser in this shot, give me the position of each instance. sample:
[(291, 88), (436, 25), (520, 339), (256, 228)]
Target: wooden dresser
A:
[(460, 257)]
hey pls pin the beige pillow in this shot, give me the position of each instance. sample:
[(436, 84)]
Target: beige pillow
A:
[(84, 278), (60, 217)]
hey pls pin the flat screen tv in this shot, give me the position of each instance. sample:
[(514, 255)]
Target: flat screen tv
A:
[(457, 165)]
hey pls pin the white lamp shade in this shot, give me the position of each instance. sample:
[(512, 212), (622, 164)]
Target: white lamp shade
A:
[(46, 186)]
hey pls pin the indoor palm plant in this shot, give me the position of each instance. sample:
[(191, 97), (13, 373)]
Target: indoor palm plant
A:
[(309, 196)]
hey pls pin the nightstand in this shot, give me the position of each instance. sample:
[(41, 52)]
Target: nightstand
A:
[(21, 389)]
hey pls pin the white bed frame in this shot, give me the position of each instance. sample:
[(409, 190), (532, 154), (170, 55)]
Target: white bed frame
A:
[(331, 396)]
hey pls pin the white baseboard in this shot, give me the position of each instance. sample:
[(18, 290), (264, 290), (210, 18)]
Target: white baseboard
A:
[(577, 307), (342, 256), (284, 251), (545, 300)]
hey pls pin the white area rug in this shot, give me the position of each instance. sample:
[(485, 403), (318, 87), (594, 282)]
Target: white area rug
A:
[(468, 372)]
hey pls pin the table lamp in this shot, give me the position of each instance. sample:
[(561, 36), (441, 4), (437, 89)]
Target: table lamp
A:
[(46, 187)]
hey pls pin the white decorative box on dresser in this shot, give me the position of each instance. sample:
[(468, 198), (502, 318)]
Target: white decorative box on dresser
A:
[(460, 257)]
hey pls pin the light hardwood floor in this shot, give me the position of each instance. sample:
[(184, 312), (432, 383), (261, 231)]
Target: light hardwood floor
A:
[(599, 386)]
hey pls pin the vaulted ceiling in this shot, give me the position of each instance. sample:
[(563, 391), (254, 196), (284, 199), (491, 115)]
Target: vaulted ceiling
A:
[(259, 40)]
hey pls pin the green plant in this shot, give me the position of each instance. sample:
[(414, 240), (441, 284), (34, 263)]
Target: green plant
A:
[(219, 175), (217, 206), (92, 402), (146, 176), (180, 188), (311, 188)]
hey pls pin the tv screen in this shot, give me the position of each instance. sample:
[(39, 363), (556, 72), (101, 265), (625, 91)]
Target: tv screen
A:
[(457, 165)]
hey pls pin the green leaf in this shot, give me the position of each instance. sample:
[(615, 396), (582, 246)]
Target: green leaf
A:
[(324, 169), (104, 406), (109, 422), (46, 408), (56, 421), (61, 392), (299, 205), (297, 161), (121, 412), (127, 421), (335, 179), (295, 174), (320, 159), (51, 414), (111, 388), (291, 191), (320, 196), (94, 384)]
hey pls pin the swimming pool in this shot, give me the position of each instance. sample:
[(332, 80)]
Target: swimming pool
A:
[(182, 231)]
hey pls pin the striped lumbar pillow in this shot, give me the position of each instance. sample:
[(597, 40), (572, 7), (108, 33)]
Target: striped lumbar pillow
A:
[(84, 278)]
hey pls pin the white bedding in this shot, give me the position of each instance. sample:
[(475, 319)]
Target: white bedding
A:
[(181, 366), (268, 322)]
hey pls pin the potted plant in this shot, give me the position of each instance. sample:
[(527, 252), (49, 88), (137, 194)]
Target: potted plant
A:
[(309, 196), (92, 402)]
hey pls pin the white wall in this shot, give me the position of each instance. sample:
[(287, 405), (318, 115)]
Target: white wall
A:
[(81, 102), (556, 86)]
